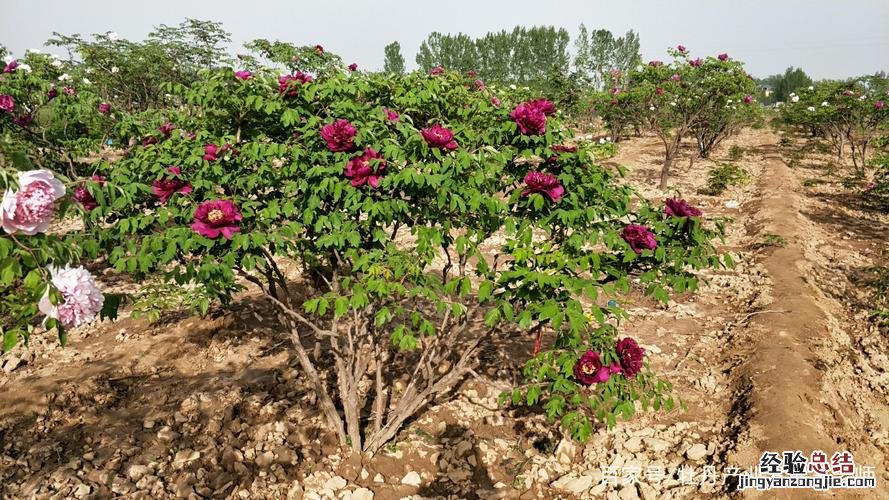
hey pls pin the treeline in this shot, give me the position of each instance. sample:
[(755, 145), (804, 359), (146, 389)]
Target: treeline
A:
[(526, 56)]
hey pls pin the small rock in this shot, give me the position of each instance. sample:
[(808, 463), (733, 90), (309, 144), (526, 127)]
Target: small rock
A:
[(379, 478), (696, 452), (167, 435), (628, 493), (634, 444), (411, 479), (265, 459), (656, 445), (137, 472), (565, 451), (82, 491), (12, 363), (335, 483), (184, 456), (148, 424), (573, 484), (362, 494)]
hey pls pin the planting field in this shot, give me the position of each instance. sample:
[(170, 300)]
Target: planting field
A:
[(514, 272)]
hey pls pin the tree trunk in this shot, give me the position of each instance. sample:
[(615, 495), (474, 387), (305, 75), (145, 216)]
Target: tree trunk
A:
[(665, 170)]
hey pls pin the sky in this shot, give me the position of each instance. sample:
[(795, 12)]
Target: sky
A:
[(827, 38)]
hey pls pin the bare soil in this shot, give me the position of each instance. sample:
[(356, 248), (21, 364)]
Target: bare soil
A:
[(774, 354)]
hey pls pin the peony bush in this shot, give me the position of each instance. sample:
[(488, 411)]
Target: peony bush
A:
[(394, 222)]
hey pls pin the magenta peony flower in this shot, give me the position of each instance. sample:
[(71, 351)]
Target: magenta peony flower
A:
[(24, 120), (7, 103), (681, 48), (69, 91), (85, 198), (11, 66), (748, 99), (542, 182), (589, 369), (436, 71), (360, 169), (392, 116), (870, 186), (471, 73), (164, 189), (319, 49), (495, 101), (52, 94), (243, 74), (353, 67), (639, 237), (30, 209), (167, 129), (677, 207), (104, 108), (561, 148), (149, 140), (615, 91), (655, 64), (531, 116), (479, 84), (659, 91), (215, 218), (696, 62), (81, 298), (630, 357), (289, 84), (340, 135), (879, 105), (675, 77), (723, 57), (439, 137)]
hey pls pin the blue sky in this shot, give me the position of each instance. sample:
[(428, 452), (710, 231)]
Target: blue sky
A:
[(829, 39)]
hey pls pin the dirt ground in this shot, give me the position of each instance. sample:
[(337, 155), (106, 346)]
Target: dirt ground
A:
[(775, 354)]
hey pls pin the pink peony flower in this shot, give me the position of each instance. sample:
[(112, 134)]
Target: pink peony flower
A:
[(879, 105), (436, 71), (479, 84), (81, 298), (439, 137), (630, 356), (495, 101), (360, 169), (589, 369), (30, 209), (69, 91), (675, 77), (723, 57), (392, 116), (289, 84), (215, 218), (353, 67), (167, 129), (471, 73), (7, 103), (104, 108), (681, 49), (531, 116), (655, 64), (542, 182), (748, 99), (340, 135), (870, 186), (243, 75), (639, 237), (696, 63), (164, 189), (11, 66), (677, 207), (615, 91)]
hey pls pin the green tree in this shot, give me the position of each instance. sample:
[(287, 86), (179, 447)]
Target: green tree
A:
[(792, 80), (394, 63)]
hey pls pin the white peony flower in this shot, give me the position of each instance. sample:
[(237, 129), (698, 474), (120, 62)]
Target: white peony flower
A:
[(651, 108), (56, 63), (112, 36), (81, 298), (795, 98), (601, 140), (33, 51), (86, 81), (8, 58), (114, 69), (862, 98), (825, 103), (24, 67), (811, 108), (811, 87), (64, 77)]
